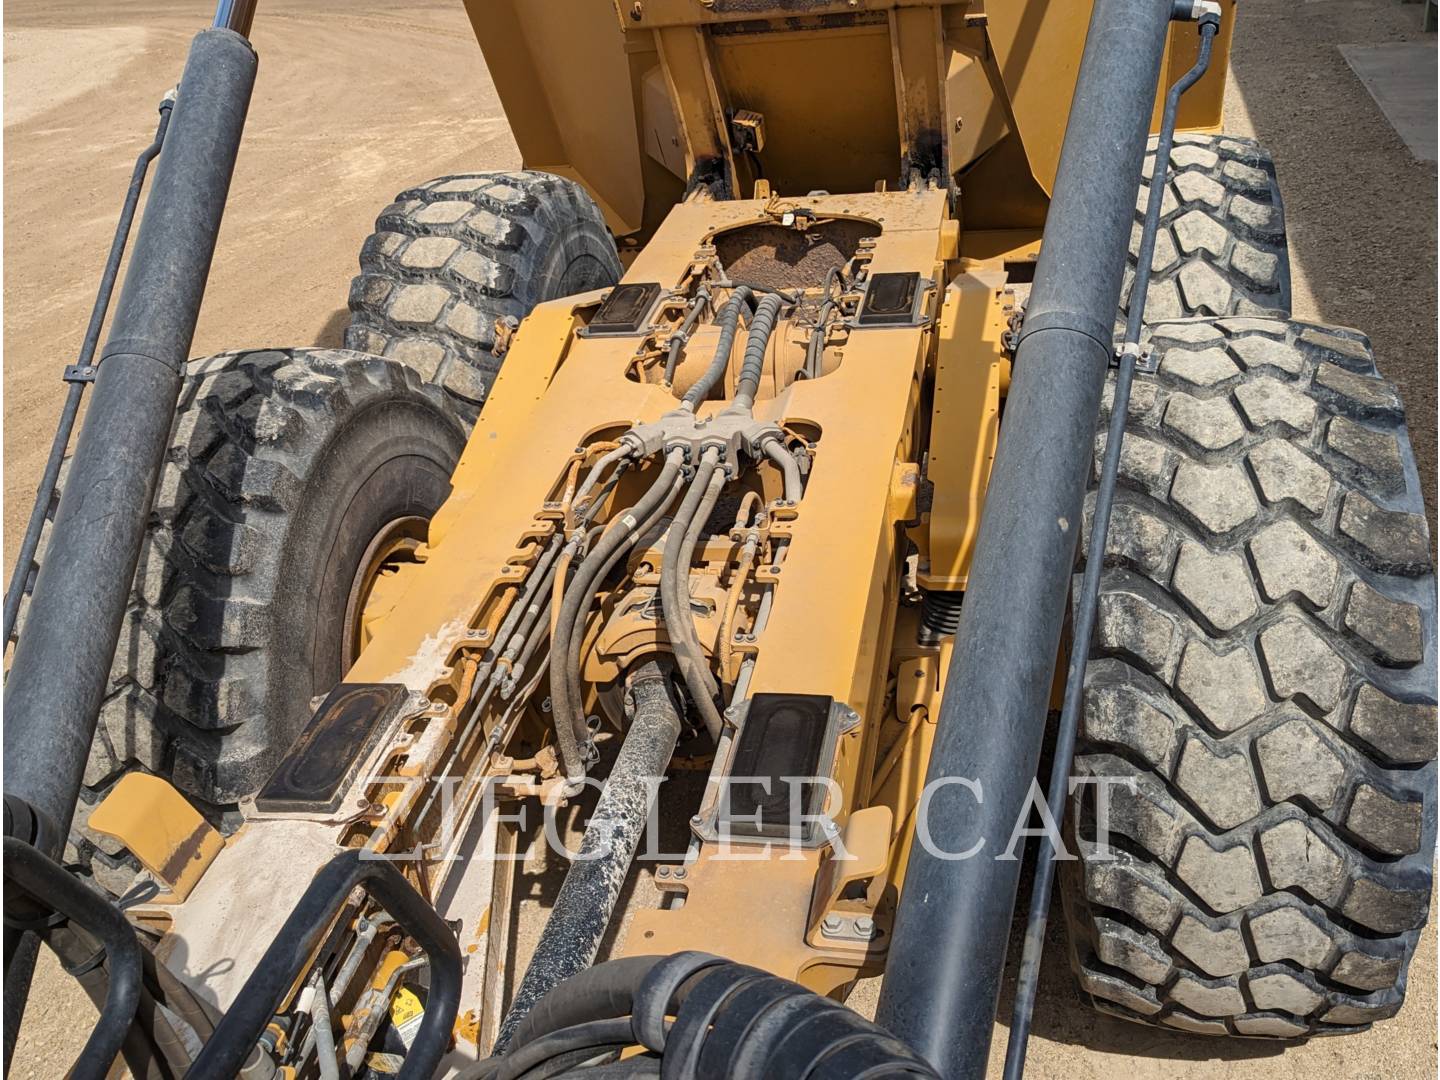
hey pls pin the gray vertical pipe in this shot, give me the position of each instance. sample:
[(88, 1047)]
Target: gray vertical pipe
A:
[(947, 956), (62, 660)]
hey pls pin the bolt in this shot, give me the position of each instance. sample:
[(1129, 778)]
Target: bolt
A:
[(959, 122), (680, 872), (865, 926), (831, 924), (774, 569), (637, 9), (664, 871), (697, 820)]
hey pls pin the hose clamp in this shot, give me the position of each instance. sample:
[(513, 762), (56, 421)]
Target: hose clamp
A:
[(1143, 355)]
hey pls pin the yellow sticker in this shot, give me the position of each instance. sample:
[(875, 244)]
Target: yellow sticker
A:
[(405, 1006)]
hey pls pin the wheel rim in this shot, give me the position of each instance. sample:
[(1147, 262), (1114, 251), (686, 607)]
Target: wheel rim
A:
[(394, 547)]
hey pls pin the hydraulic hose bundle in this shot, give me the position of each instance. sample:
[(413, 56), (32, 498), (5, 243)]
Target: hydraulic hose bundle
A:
[(682, 452), (729, 1020)]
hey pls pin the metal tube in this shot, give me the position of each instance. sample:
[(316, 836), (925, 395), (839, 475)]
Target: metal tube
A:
[(302, 934), (1084, 619), (62, 662), (20, 576), (324, 1034), (948, 950), (789, 468), (47, 883), (586, 902), (235, 15)]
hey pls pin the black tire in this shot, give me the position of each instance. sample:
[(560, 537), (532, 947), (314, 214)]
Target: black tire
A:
[(283, 466), (1264, 674), (451, 257), (1221, 247)]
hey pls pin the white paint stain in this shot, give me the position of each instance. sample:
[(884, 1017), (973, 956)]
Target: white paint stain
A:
[(431, 659)]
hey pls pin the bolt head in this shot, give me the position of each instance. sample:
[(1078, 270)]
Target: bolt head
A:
[(831, 924), (865, 926), (680, 872)]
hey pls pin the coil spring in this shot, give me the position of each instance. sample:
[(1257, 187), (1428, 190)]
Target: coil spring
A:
[(939, 614)]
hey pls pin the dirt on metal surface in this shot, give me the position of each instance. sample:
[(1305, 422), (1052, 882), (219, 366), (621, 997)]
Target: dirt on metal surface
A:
[(356, 100), (781, 258)]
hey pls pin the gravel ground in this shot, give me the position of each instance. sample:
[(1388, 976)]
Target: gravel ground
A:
[(357, 99)]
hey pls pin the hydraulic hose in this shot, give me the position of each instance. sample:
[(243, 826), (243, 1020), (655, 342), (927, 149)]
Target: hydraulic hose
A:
[(729, 320), (675, 593), (577, 635), (756, 342), (618, 454), (682, 333), (815, 347), (563, 702), (586, 902), (729, 1020)]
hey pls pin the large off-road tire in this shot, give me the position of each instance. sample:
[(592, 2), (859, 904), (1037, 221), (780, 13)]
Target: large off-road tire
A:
[(284, 465), (451, 257), (1264, 676), (1221, 246)]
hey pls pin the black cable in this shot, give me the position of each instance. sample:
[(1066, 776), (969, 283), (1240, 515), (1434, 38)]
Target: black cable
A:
[(565, 701), (730, 1020), (44, 881)]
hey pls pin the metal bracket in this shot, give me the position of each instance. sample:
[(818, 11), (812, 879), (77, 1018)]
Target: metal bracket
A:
[(79, 373), (1145, 361), (1010, 336)]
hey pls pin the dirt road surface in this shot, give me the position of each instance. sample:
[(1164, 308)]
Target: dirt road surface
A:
[(358, 99)]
